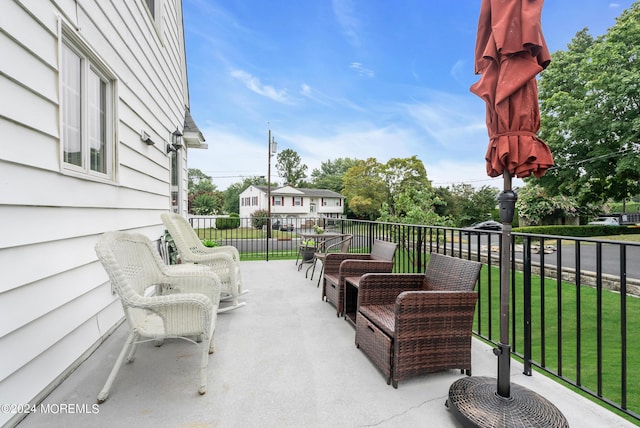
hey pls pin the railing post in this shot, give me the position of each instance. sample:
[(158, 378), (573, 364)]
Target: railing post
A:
[(371, 234), (268, 235), (526, 266), (418, 250)]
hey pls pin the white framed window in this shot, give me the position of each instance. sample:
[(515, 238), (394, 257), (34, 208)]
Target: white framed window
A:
[(154, 7), (87, 93), (297, 201)]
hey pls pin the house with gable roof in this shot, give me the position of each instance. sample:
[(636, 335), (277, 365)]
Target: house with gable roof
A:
[(292, 203)]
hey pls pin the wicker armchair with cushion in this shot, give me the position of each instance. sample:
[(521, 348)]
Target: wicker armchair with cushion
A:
[(159, 301), (338, 266), (223, 261), (411, 324)]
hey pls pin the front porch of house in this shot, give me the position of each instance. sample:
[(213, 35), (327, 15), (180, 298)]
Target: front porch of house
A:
[(283, 360)]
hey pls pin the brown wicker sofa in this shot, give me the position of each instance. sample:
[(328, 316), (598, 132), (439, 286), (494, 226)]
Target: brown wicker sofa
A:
[(410, 324), (338, 266)]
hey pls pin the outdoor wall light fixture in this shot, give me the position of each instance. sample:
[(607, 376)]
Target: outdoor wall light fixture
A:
[(176, 139)]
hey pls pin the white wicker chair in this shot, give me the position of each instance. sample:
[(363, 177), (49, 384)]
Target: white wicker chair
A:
[(159, 301), (224, 261)]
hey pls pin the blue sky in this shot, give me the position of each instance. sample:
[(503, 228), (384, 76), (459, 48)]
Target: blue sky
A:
[(349, 78)]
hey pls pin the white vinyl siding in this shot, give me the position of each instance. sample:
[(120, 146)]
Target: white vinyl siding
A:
[(79, 81)]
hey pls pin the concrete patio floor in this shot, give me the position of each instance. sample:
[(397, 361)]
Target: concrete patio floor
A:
[(283, 360)]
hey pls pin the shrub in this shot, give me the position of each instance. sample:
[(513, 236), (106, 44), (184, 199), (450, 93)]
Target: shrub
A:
[(231, 222), (259, 218), (576, 231), (210, 243)]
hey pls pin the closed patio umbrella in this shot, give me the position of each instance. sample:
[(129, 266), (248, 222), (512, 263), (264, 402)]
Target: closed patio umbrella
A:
[(510, 52)]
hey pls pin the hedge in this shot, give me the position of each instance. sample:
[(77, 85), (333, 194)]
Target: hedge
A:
[(231, 222), (578, 231)]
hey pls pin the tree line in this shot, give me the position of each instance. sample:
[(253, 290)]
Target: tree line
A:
[(396, 191)]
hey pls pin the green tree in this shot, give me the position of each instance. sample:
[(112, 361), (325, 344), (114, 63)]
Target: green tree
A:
[(199, 182), (290, 167), (330, 174), (364, 189), (534, 204), (590, 98), (467, 205), (414, 205), (232, 194), (206, 203), (401, 175), (204, 197)]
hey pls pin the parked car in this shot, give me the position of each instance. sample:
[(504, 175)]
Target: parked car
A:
[(606, 221), (486, 225), (289, 227)]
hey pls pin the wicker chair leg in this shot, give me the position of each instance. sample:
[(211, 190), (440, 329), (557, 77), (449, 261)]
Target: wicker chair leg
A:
[(312, 268), (130, 343), (231, 308), (313, 271), (203, 370), (134, 346), (321, 273)]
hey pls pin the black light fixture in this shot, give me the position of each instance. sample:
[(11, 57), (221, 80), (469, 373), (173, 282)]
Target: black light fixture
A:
[(176, 139), (170, 148)]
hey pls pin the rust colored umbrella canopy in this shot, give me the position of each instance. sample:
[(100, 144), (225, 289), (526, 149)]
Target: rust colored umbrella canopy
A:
[(510, 52)]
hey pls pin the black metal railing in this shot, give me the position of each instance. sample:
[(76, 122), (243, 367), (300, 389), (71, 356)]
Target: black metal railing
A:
[(575, 311)]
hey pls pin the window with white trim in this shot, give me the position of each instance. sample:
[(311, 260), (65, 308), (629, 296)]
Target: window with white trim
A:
[(297, 201), (155, 13), (87, 114)]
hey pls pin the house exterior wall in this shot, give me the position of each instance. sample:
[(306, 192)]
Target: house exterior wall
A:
[(56, 303), (285, 203)]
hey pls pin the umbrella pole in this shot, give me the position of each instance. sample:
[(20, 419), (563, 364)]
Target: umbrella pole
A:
[(474, 400), (507, 200)]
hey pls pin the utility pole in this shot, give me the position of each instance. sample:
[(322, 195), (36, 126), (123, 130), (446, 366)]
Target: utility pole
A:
[(272, 147)]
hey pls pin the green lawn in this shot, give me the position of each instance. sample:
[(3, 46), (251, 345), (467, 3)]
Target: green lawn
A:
[(578, 309)]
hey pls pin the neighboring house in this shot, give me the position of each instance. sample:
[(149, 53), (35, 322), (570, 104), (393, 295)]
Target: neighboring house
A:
[(289, 202), (92, 93)]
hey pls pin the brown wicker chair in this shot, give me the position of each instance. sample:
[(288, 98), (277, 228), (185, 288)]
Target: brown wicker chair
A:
[(410, 324), (338, 266), (339, 245)]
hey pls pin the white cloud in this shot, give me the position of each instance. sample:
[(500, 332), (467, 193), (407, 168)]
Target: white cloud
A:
[(459, 71), (343, 10), (452, 121), (361, 70), (254, 84), (315, 95)]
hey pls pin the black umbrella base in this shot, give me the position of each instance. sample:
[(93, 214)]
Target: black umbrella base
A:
[(475, 403)]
